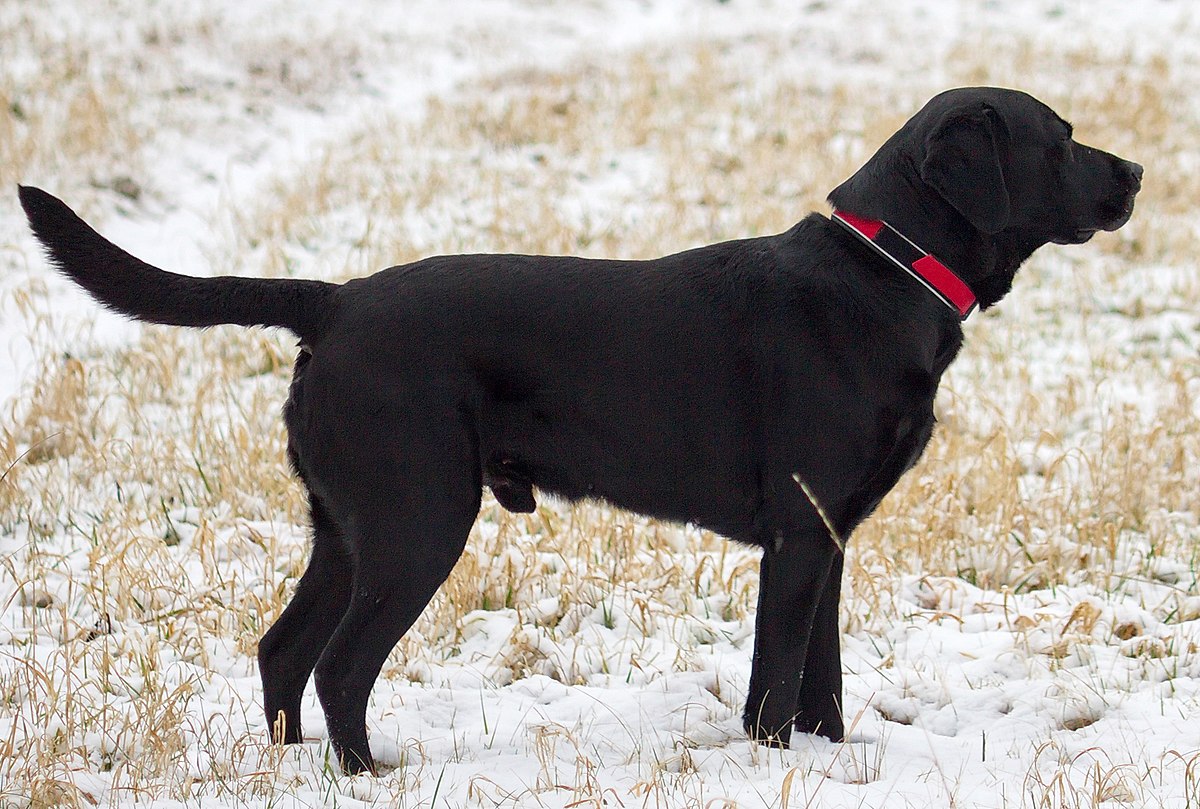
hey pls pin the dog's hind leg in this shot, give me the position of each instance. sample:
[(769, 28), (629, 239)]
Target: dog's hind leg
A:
[(289, 650), (411, 513)]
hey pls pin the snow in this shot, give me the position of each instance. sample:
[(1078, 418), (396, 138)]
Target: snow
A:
[(957, 694)]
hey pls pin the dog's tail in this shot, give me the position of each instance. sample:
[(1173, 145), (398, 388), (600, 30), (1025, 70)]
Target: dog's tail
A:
[(136, 289)]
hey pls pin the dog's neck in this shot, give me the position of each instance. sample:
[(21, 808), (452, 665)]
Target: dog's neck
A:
[(986, 264), (931, 273)]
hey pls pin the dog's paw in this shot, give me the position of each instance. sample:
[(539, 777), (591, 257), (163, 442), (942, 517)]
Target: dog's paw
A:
[(831, 729), (780, 737)]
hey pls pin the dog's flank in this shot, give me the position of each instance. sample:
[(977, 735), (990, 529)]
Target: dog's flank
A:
[(703, 386), (136, 289)]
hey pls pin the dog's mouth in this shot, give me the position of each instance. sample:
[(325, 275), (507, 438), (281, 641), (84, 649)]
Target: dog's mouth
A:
[(1125, 211), (1114, 215), (1079, 236)]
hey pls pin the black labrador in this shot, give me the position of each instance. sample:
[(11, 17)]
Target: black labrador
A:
[(771, 389)]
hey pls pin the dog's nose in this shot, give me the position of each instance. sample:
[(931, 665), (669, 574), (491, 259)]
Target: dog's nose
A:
[(1135, 170)]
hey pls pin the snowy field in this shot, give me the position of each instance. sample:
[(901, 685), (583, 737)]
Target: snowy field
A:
[(1022, 615)]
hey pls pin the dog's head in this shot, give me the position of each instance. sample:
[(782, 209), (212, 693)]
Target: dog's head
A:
[(983, 176)]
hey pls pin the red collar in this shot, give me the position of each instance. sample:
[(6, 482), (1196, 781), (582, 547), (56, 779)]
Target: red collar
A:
[(933, 274)]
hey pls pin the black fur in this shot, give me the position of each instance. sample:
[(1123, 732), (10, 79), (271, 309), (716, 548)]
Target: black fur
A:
[(136, 289), (691, 388)]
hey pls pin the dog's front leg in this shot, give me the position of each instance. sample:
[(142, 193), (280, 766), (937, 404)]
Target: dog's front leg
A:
[(820, 708), (791, 581)]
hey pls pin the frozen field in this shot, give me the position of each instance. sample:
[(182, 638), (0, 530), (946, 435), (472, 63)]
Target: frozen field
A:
[(1022, 615)]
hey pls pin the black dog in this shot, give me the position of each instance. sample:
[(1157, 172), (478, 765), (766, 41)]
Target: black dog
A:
[(772, 389)]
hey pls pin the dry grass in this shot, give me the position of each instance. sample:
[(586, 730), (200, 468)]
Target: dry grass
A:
[(147, 520), (62, 108)]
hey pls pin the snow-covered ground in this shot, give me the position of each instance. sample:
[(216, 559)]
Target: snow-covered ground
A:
[(1045, 654)]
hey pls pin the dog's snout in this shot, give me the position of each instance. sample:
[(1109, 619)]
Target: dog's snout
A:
[(1117, 207)]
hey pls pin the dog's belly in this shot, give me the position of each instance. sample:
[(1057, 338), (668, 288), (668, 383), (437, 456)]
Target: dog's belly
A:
[(637, 464)]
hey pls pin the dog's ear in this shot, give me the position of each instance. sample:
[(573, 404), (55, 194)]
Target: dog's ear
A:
[(963, 164)]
